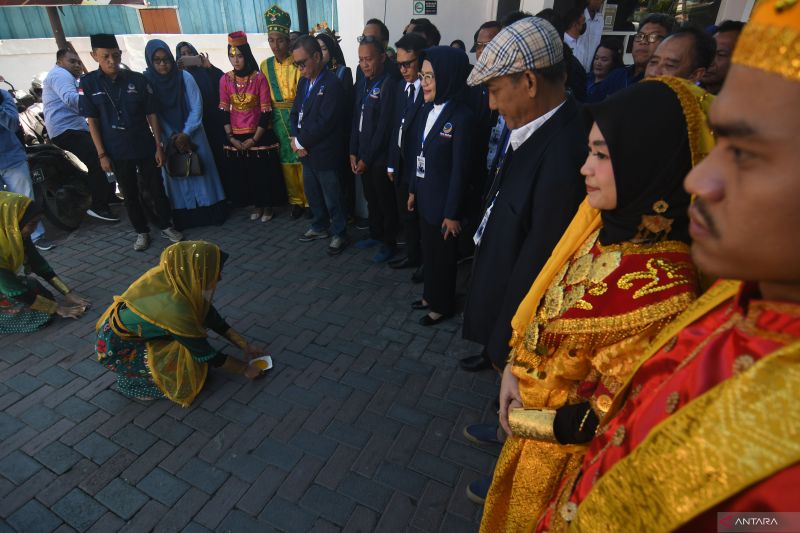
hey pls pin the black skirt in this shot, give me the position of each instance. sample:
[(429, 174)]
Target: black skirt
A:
[(256, 177)]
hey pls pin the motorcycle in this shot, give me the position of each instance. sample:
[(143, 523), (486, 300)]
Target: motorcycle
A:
[(60, 179)]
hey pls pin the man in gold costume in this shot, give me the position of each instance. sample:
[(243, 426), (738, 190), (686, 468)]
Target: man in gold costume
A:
[(283, 76), (709, 423)]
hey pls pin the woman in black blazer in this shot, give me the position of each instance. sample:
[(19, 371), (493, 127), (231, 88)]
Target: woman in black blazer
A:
[(442, 148)]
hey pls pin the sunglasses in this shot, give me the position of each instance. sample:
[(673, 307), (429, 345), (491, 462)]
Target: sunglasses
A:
[(300, 64), (407, 64)]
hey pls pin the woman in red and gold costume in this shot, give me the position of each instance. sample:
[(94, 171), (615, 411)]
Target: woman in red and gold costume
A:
[(619, 274), (708, 427)]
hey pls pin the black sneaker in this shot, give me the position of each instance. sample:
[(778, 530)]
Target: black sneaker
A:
[(297, 211), (102, 214), (44, 245)]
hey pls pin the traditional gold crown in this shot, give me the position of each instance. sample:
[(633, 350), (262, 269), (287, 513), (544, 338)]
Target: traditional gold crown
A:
[(771, 39)]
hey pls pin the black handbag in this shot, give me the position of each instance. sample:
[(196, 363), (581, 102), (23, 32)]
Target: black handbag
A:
[(183, 165)]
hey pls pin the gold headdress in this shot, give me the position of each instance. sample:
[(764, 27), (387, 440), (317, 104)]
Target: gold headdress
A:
[(771, 39)]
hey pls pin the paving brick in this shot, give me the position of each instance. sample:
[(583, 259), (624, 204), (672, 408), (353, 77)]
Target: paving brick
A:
[(255, 433), (134, 439), (278, 454), (397, 513), (365, 491), (221, 442), (435, 467), (98, 449), (372, 455), (314, 444), (56, 489), (194, 527), (108, 523), (64, 392), (328, 504), (362, 520), (122, 498), (75, 409), (29, 405), (33, 516), (47, 436), (237, 412), (469, 455), (183, 453), (58, 457), (432, 506), (170, 430), (455, 524), (21, 494), (80, 431), (112, 424), (238, 521), (78, 509), (287, 516), (110, 470), (401, 479), (347, 434), (405, 444), (182, 512), (202, 475), (24, 383), (378, 424), (18, 467), (146, 518), (145, 463), (300, 478), (207, 423), (223, 501), (361, 382), (56, 376), (8, 426), (88, 369), (243, 465), (153, 412), (261, 490), (163, 487), (111, 402)]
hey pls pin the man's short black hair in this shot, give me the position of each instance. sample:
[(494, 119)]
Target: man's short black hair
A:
[(549, 14), (665, 21), (514, 16), (704, 46), (373, 41), (384, 30), (429, 30), (413, 42), (489, 24), (730, 25), (309, 44), (572, 16), (62, 52)]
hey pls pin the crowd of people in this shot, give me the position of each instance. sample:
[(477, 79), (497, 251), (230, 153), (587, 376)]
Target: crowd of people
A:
[(606, 210)]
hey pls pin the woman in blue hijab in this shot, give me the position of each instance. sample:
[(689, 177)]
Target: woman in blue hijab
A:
[(196, 200), (442, 145)]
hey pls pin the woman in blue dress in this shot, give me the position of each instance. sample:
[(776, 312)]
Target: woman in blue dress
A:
[(196, 200)]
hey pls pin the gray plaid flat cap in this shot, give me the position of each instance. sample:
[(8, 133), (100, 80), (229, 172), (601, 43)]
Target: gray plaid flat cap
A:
[(528, 44)]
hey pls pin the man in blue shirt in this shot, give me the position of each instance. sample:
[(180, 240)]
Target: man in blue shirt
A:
[(15, 175), (68, 129), (122, 112)]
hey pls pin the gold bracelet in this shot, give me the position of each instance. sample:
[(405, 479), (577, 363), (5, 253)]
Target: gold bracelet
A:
[(59, 285)]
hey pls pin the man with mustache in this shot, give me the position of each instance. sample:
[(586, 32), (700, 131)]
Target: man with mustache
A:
[(710, 422)]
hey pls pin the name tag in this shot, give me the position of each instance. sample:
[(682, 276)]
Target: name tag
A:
[(400, 134), (300, 120), (420, 166), (361, 119)]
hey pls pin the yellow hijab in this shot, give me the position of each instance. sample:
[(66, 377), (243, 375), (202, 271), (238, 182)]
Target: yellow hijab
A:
[(12, 209), (695, 103), (175, 296)]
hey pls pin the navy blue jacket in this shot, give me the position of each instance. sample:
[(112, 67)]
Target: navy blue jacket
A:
[(320, 131), (371, 143), (401, 158), (121, 106), (447, 152)]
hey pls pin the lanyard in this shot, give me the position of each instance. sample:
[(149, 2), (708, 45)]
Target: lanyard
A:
[(368, 89), (311, 85), (115, 103)]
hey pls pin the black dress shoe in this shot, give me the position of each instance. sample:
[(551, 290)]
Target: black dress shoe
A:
[(417, 276), (418, 305), (474, 363), (426, 320), (403, 263), (297, 211)]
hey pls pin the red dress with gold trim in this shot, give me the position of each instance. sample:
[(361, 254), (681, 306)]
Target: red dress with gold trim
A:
[(593, 323), (724, 344)]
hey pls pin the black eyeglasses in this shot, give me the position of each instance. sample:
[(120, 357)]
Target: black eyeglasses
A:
[(407, 64), (300, 64), (648, 37), (161, 61)]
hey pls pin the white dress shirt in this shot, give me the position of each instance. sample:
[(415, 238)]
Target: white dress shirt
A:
[(587, 43)]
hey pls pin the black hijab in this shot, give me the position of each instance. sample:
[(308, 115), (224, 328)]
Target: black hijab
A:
[(33, 210), (207, 78), (450, 68), (647, 137), (250, 63), (334, 50)]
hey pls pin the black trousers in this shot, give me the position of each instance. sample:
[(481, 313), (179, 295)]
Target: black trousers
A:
[(80, 143), (440, 258), (410, 222), (381, 204), (146, 186)]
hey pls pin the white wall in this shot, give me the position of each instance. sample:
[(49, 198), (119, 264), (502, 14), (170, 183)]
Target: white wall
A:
[(22, 59)]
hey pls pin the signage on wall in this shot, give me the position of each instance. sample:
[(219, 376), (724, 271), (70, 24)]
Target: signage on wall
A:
[(609, 15), (424, 7)]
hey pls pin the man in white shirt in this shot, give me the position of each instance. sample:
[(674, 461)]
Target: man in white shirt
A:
[(587, 43)]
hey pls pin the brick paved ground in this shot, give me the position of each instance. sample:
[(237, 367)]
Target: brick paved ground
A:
[(358, 427)]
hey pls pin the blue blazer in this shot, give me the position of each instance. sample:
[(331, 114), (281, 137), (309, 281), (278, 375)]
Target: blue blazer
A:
[(402, 158), (320, 131), (447, 152), (370, 142)]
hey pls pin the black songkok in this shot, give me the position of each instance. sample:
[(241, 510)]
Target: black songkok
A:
[(103, 40)]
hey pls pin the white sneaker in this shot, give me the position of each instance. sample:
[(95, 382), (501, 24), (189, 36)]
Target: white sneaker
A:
[(172, 234), (142, 242)]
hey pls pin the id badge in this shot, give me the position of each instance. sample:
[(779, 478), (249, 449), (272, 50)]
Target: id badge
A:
[(420, 166), (361, 119), (300, 120), (400, 134)]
